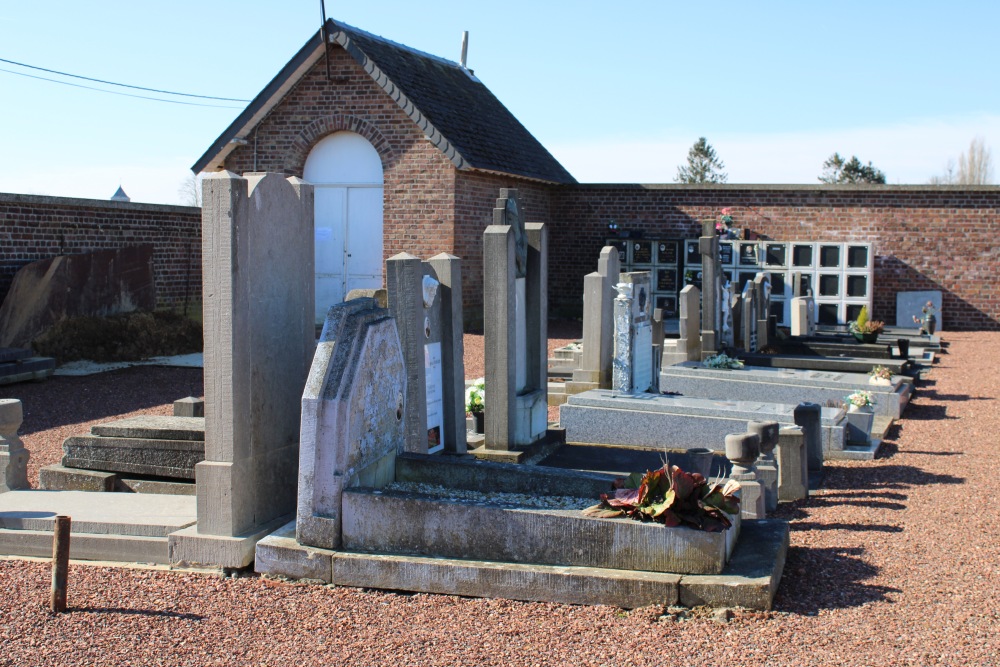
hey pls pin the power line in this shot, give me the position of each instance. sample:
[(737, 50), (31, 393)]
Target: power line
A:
[(115, 92), (112, 83)]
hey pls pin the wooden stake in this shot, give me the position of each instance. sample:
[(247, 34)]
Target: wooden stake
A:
[(60, 563)]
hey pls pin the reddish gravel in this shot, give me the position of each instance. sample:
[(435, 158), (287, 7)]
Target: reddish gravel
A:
[(895, 562)]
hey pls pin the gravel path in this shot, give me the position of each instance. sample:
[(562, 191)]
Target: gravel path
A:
[(895, 562)]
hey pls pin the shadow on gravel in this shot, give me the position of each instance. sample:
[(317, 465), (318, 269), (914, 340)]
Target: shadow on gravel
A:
[(934, 395), (884, 477), (136, 612), (859, 527), (927, 413), (830, 578), (63, 400)]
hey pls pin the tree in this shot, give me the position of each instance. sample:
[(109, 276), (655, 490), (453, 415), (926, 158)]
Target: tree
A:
[(703, 165), (838, 170), (190, 191), (975, 167)]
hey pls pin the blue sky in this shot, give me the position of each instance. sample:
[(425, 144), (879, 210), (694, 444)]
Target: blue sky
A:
[(618, 93)]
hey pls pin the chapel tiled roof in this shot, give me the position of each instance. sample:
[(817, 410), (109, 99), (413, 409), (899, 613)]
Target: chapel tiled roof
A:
[(456, 112)]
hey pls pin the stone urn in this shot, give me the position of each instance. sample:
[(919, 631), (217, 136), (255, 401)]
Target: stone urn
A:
[(479, 422)]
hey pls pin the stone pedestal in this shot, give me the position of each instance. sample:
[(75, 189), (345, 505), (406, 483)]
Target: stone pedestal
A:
[(742, 450), (793, 470), (767, 466), (13, 455)]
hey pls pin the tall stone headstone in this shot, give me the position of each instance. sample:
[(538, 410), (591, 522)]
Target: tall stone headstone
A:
[(634, 334), (762, 301), (687, 347), (258, 286), (727, 336), (708, 244), (809, 417), (13, 455), (803, 316), (353, 411), (516, 337), (598, 320), (748, 318), (425, 298)]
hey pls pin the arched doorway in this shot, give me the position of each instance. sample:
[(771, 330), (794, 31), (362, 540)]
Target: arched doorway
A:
[(347, 174)]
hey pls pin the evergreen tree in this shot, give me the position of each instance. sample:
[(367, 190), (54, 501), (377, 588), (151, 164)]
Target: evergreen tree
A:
[(838, 170), (703, 165)]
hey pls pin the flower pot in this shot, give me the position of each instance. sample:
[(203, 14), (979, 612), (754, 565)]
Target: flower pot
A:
[(859, 424), (866, 337), (880, 382), (479, 422)]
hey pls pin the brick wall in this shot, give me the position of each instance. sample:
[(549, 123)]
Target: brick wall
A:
[(34, 227), (925, 237)]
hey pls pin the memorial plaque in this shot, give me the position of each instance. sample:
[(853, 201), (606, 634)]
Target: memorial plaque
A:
[(726, 253), (666, 252), (802, 255), (857, 287), (857, 257), (748, 254), (778, 310), (775, 254), (666, 280), (829, 256), (434, 384), (642, 358), (693, 277), (745, 277), (829, 284), (853, 310), (642, 252), (692, 253)]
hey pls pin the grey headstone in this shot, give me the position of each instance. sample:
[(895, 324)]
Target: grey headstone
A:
[(13, 455), (808, 415), (793, 465), (352, 416), (909, 305)]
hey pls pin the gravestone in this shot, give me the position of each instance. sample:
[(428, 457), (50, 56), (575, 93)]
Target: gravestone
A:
[(632, 364), (687, 347), (762, 301), (257, 271), (803, 316), (598, 321), (726, 333), (748, 318), (353, 410), (516, 306), (793, 466), (13, 455), (909, 305), (425, 298), (708, 245)]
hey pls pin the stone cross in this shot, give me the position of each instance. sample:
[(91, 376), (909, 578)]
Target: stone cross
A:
[(598, 320), (516, 309), (708, 244), (425, 298), (13, 455)]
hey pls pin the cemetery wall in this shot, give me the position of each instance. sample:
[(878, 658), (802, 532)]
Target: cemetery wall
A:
[(925, 237), (36, 227)]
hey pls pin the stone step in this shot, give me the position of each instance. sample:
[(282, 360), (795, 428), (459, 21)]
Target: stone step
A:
[(122, 527), (23, 370), (153, 427), (156, 458), (14, 353)]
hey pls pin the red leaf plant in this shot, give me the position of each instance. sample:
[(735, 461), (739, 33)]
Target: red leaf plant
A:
[(672, 498)]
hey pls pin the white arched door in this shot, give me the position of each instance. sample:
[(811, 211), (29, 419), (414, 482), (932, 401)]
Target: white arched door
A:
[(347, 174)]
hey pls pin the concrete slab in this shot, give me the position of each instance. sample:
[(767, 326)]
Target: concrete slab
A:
[(153, 427), (829, 364), (97, 513), (139, 456), (752, 575), (188, 547), (86, 546), (59, 478)]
